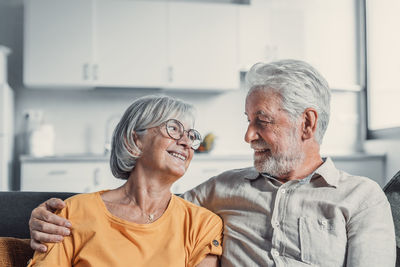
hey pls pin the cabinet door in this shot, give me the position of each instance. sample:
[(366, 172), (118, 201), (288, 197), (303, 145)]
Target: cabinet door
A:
[(131, 40), (58, 42), (203, 46), (255, 44), (67, 176)]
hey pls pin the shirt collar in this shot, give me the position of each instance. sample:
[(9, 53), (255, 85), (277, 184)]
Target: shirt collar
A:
[(327, 171)]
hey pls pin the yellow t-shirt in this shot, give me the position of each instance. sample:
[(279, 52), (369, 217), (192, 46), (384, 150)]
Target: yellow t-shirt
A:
[(182, 236)]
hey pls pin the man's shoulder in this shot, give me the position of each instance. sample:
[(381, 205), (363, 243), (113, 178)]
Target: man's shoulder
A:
[(228, 180), (249, 172), (196, 212), (350, 180), (367, 191)]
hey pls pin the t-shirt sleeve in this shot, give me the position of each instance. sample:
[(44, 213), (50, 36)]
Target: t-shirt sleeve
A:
[(58, 254), (208, 241)]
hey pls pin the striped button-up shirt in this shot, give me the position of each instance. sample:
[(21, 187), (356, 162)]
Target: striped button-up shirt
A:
[(330, 218)]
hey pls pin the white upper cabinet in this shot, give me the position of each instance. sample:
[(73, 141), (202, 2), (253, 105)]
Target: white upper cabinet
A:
[(58, 43), (255, 44), (203, 46), (323, 33), (131, 43), (121, 43)]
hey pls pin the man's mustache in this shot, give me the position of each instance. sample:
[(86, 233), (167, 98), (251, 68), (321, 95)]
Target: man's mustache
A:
[(259, 145)]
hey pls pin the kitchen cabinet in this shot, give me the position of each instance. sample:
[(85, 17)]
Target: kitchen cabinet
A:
[(122, 43), (58, 43), (131, 43), (255, 43), (322, 33), (202, 46), (92, 173), (66, 175)]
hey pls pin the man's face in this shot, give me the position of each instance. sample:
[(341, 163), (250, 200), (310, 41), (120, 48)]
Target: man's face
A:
[(275, 139)]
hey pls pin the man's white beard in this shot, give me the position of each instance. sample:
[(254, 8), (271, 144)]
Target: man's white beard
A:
[(282, 162)]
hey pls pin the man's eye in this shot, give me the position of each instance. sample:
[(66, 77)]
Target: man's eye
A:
[(263, 122)]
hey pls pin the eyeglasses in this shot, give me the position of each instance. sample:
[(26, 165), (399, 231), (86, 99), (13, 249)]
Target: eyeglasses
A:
[(176, 131)]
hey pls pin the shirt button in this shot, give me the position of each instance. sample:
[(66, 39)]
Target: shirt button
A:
[(283, 191), (277, 224), (274, 253), (324, 223), (215, 243)]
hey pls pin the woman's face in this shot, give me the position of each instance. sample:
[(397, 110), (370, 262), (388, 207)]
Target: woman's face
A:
[(164, 155)]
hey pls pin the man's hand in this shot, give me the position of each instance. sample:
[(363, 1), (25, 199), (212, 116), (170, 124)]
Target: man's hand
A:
[(45, 226)]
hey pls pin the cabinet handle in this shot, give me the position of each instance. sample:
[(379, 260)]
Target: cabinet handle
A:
[(96, 177), (57, 172), (86, 71), (95, 70), (170, 74)]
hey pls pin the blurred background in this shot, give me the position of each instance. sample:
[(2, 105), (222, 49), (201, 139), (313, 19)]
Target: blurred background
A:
[(69, 68)]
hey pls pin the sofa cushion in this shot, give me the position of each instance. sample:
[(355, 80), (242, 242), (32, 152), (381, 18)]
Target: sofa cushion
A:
[(14, 252), (16, 208)]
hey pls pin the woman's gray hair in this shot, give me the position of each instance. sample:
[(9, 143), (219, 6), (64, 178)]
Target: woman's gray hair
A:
[(299, 84), (145, 112)]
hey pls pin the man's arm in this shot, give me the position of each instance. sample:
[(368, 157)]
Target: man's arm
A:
[(45, 226), (371, 237), (209, 261)]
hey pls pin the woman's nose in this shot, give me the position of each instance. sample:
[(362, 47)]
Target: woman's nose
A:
[(184, 140)]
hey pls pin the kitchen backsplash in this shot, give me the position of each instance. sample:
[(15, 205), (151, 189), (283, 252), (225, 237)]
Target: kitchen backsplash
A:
[(83, 120)]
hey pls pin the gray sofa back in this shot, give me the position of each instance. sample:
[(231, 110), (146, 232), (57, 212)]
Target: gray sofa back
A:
[(16, 208)]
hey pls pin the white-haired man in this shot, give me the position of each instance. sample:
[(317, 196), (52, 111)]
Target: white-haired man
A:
[(293, 208)]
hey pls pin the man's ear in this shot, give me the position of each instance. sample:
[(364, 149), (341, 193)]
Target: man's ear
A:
[(309, 125)]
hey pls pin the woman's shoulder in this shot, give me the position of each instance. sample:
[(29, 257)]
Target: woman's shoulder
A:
[(81, 203), (82, 197)]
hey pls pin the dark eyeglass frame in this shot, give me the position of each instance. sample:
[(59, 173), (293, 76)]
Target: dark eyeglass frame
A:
[(194, 144)]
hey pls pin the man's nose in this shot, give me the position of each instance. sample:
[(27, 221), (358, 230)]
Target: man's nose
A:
[(251, 134)]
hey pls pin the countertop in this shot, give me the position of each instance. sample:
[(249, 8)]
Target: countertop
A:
[(197, 157)]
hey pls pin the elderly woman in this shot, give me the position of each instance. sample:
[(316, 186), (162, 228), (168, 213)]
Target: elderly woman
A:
[(141, 223)]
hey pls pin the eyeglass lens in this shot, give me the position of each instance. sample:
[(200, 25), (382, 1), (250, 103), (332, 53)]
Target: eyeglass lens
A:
[(176, 130)]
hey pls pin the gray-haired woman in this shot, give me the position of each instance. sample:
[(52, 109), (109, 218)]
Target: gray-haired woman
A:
[(141, 223)]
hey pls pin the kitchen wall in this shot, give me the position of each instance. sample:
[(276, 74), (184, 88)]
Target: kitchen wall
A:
[(83, 118)]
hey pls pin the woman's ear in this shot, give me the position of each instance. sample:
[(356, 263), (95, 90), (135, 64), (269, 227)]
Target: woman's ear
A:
[(309, 125), (138, 144)]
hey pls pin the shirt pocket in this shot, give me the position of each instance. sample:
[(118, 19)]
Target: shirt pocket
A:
[(322, 241)]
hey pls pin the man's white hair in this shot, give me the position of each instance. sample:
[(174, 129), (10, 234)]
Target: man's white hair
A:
[(300, 86)]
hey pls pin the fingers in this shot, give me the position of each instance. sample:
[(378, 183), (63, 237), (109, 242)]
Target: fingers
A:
[(38, 246), (45, 213), (54, 204), (50, 228), (46, 226)]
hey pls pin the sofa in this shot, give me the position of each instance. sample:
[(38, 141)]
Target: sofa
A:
[(15, 210), (16, 207)]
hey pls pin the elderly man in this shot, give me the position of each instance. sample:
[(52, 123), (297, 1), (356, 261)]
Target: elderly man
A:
[(293, 208)]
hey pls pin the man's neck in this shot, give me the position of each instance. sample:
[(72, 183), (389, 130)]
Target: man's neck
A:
[(307, 167)]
